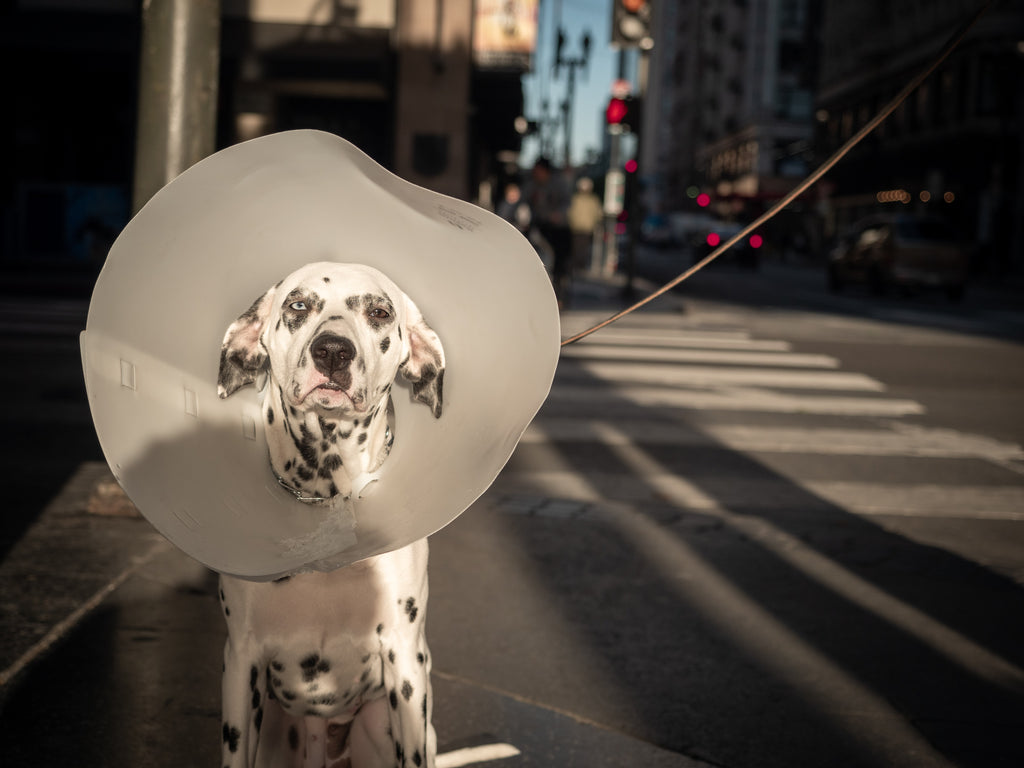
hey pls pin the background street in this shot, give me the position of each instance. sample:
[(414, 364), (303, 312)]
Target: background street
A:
[(754, 525)]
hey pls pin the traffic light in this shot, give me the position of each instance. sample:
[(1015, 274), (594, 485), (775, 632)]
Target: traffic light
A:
[(631, 24), (624, 112)]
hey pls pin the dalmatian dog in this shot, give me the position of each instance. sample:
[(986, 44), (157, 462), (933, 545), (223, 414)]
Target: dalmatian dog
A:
[(330, 669)]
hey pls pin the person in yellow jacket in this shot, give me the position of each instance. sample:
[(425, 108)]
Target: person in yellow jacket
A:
[(585, 216)]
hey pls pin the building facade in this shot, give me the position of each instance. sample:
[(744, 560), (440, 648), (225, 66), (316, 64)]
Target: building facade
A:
[(733, 98), (954, 147), (398, 78)]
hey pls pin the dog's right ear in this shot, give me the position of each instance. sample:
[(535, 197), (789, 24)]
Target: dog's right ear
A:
[(242, 354)]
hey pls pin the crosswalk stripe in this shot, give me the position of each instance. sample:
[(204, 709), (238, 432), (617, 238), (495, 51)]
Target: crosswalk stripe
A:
[(675, 355), (899, 440), (684, 340), (736, 399), (710, 376)]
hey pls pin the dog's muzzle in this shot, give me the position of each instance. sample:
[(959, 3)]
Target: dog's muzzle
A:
[(332, 355)]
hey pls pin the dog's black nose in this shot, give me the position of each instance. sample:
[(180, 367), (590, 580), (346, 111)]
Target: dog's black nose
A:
[(331, 353)]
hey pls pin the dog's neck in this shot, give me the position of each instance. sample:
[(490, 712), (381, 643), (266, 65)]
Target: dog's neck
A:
[(318, 456)]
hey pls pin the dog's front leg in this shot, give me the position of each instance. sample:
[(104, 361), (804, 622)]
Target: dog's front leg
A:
[(243, 694), (410, 703)]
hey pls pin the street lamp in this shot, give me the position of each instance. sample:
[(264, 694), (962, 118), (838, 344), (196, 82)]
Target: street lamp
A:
[(572, 64)]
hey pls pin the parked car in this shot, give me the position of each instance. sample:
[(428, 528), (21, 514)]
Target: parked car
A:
[(900, 250), (655, 231)]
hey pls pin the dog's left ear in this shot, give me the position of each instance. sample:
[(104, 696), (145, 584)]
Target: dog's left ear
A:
[(242, 356), (424, 366)]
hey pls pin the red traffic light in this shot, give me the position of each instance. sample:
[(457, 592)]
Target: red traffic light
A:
[(616, 111), (631, 166), (703, 199)]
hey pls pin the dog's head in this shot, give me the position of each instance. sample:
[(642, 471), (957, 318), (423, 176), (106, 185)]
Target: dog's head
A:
[(334, 337)]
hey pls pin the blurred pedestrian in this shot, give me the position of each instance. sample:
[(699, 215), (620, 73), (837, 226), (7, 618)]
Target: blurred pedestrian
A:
[(585, 214), (548, 196), (514, 209)]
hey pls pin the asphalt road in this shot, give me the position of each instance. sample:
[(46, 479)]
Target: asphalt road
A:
[(754, 525)]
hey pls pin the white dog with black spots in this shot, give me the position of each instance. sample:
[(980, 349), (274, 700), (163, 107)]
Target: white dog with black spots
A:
[(330, 670)]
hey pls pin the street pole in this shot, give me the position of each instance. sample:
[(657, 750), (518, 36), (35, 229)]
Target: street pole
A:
[(612, 207), (567, 104), (177, 91), (635, 207)]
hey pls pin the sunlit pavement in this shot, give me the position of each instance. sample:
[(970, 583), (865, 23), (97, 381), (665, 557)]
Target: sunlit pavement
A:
[(634, 590)]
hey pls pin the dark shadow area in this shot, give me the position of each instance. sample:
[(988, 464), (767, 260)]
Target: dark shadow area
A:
[(130, 685), (48, 425), (689, 678)]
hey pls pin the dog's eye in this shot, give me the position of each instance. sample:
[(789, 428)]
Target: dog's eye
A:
[(379, 314), (298, 306)]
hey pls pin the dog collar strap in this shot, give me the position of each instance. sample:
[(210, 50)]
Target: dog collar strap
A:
[(192, 261)]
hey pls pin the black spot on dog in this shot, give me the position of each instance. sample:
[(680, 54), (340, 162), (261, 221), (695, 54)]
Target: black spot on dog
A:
[(399, 752), (406, 690), (393, 698), (288, 465), (420, 658), (410, 609), (254, 675), (346, 435), (362, 438), (352, 302), (258, 720), (424, 707), (270, 415), (366, 658), (327, 279), (313, 666), (380, 628), (231, 737), (293, 738), (305, 473), (330, 463), (385, 344), (256, 698), (288, 695), (391, 656), (416, 759)]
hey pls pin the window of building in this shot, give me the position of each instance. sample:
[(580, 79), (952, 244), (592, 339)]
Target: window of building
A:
[(793, 14), (792, 103)]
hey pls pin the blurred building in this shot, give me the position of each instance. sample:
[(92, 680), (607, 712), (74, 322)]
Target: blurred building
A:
[(430, 90), (955, 148), (731, 99)]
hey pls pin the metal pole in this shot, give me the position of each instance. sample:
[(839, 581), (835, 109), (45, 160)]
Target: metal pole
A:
[(177, 91)]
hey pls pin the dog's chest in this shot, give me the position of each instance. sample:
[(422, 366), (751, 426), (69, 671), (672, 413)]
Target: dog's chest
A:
[(323, 639)]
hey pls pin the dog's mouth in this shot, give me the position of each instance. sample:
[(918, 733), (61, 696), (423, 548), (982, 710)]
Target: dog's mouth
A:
[(332, 395)]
